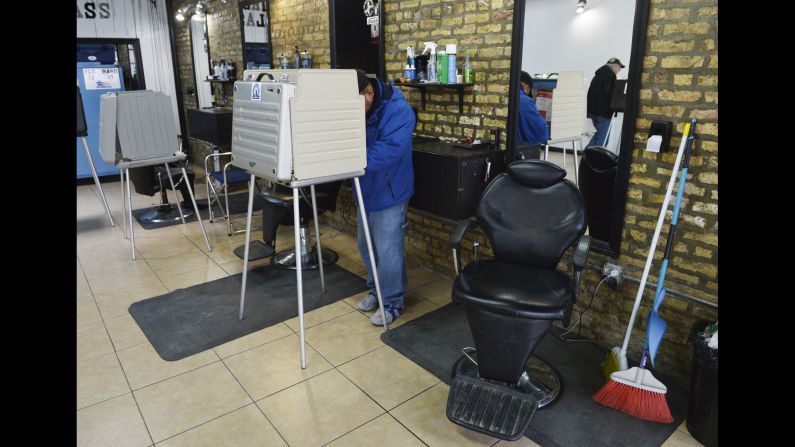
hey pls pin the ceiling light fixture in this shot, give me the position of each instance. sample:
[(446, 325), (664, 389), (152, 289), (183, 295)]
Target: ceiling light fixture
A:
[(180, 15), (581, 6)]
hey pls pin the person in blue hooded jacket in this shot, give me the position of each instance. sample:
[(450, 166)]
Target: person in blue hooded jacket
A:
[(532, 126), (387, 185)]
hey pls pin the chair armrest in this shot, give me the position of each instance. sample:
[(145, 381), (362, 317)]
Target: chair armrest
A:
[(581, 252), (455, 240)]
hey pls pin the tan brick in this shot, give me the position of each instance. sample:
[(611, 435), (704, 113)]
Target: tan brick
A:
[(709, 239), (679, 95), (679, 13), (426, 24), (714, 195), (713, 62), (500, 64), (469, 120), (466, 29), (706, 45), (709, 178), (491, 28), (678, 275), (471, 6), (451, 21), (711, 97), (708, 11), (683, 79), (682, 62), (477, 18), (487, 53), (707, 129), (645, 94), (441, 32), (672, 46), (669, 111), (430, 2), (705, 115), (702, 252), (497, 5), (637, 235), (498, 39), (686, 28), (649, 61)]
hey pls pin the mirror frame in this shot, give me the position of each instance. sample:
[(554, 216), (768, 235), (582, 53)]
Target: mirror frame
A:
[(243, 42), (612, 246), (332, 29), (193, 61)]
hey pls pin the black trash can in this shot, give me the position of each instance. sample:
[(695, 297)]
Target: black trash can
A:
[(702, 409)]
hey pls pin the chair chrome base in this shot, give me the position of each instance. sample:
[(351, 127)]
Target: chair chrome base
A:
[(286, 259), (165, 214), (539, 378)]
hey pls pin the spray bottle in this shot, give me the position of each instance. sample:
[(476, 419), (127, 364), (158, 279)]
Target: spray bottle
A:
[(442, 66), (452, 69), (430, 46)]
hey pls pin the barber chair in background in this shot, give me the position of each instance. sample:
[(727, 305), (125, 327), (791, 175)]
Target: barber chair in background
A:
[(531, 215), (149, 180), (598, 168), (277, 210), (532, 151)]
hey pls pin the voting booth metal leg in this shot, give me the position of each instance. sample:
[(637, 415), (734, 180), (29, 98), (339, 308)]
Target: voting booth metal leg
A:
[(546, 152), (96, 180), (245, 251), (226, 199), (123, 203), (176, 197), (195, 206), (298, 278), (373, 268), (317, 239), (576, 165), (129, 213)]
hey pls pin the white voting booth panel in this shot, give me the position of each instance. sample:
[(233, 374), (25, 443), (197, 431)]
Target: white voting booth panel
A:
[(312, 129), (569, 106), (137, 126)]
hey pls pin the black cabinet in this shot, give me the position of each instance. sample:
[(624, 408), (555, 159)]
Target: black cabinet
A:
[(449, 180), (213, 125)]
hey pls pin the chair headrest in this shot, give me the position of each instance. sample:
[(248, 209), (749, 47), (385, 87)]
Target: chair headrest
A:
[(536, 173)]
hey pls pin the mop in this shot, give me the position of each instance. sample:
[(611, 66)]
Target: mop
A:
[(635, 391)]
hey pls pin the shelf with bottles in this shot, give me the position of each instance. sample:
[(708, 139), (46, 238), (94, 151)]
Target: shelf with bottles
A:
[(223, 81), (423, 86)]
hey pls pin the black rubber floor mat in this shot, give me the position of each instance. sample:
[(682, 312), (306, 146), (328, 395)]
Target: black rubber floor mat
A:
[(257, 249), (188, 321), (434, 341)]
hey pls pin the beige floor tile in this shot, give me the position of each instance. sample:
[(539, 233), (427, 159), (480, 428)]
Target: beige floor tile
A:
[(235, 267), (182, 263), (373, 370), (83, 289), (155, 248), (253, 340), (425, 416), (308, 414), (524, 441), (385, 429), (317, 316), (115, 422), (100, 379), (344, 338), (680, 439), (115, 302), (245, 427), (92, 341), (419, 277), (683, 428), (103, 256), (87, 311), (143, 364), (124, 332), (274, 366), (354, 267), (189, 400), (120, 277), (201, 276), (437, 292)]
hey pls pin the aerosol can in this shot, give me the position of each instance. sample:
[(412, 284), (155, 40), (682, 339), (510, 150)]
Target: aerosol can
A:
[(430, 46)]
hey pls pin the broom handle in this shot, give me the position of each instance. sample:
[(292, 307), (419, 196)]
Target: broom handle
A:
[(654, 240), (675, 217)]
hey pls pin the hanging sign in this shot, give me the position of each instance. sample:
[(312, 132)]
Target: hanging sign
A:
[(101, 78), (255, 23)]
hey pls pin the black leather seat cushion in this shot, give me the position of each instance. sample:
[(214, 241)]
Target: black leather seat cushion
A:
[(514, 289)]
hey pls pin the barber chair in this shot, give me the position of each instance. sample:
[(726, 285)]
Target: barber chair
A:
[(531, 215), (598, 170), (277, 210), (149, 180)]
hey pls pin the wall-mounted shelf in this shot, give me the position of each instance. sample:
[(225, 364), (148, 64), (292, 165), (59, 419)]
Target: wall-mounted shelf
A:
[(228, 81), (423, 86)]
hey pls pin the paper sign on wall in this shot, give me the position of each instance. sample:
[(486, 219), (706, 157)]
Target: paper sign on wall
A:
[(101, 78)]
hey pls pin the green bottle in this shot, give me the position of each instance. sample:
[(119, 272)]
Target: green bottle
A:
[(441, 67), (469, 77)]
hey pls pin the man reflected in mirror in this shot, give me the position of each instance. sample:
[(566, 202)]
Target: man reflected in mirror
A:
[(599, 94), (532, 126)]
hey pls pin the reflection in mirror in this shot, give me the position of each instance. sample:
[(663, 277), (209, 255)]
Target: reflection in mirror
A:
[(201, 61), (255, 33), (563, 45), (580, 42)]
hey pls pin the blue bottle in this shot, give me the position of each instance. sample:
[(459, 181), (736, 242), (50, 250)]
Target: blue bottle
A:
[(451, 67)]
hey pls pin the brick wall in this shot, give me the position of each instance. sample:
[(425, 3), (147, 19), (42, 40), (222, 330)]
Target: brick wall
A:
[(302, 23)]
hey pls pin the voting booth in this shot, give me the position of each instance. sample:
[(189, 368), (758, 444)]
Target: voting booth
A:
[(300, 128)]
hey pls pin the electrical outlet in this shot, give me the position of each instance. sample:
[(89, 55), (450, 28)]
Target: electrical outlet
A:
[(615, 272)]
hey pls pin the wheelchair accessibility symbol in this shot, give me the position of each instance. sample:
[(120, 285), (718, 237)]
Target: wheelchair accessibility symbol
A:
[(255, 92)]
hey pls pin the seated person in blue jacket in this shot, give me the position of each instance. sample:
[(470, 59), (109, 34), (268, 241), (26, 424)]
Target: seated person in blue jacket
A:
[(532, 126), (387, 185)]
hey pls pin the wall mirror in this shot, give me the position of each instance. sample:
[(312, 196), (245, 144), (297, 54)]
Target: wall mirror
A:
[(255, 34), (356, 35), (200, 49), (552, 37)]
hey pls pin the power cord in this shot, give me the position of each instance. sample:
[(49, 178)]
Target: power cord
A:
[(579, 320)]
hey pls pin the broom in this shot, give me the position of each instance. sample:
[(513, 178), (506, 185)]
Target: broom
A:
[(616, 359), (635, 391)]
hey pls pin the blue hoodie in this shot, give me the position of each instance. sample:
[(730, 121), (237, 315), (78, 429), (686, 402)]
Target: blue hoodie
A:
[(532, 126), (389, 175)]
